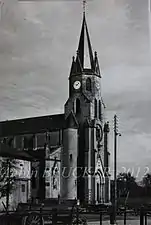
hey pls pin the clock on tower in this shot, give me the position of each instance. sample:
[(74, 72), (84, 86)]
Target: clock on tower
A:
[(77, 84)]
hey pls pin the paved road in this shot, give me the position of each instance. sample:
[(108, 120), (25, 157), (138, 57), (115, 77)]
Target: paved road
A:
[(129, 222)]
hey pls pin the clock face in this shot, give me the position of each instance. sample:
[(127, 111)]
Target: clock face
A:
[(77, 84)]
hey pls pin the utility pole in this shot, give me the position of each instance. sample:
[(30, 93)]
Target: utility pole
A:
[(116, 133)]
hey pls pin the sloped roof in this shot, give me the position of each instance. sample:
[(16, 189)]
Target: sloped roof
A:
[(6, 151), (30, 155), (32, 125)]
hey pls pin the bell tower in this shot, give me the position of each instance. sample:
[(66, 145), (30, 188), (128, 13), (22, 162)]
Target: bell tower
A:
[(85, 109), (85, 80)]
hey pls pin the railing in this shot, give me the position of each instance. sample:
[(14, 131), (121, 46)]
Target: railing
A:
[(70, 216), (46, 218)]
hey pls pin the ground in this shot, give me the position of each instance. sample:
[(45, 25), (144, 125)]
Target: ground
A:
[(120, 221), (129, 222)]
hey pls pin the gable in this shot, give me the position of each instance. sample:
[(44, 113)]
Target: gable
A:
[(71, 121)]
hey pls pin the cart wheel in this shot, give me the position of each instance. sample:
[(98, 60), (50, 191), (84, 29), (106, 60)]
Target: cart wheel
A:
[(81, 220), (33, 219)]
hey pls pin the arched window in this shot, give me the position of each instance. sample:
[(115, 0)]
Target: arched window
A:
[(78, 109), (98, 192), (100, 110), (98, 134), (70, 157), (88, 84), (95, 109)]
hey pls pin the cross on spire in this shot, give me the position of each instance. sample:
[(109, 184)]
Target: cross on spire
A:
[(84, 5)]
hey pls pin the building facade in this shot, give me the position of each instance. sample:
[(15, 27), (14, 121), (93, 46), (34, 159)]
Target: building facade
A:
[(20, 191), (69, 151)]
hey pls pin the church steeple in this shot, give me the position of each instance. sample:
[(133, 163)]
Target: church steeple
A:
[(83, 131), (85, 61), (84, 53)]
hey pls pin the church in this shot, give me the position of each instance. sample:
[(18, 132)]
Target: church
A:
[(68, 152)]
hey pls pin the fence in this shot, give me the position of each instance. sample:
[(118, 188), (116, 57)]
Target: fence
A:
[(68, 217), (47, 217)]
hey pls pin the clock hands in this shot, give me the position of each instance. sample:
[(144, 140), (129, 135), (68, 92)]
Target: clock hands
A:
[(77, 84)]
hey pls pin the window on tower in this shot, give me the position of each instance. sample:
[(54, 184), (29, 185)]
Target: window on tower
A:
[(78, 107), (88, 84), (70, 157), (95, 109), (98, 135)]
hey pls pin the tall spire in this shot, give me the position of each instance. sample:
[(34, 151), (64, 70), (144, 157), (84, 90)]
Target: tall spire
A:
[(85, 54), (85, 61)]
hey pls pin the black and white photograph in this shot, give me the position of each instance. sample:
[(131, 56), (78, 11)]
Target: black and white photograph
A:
[(75, 126)]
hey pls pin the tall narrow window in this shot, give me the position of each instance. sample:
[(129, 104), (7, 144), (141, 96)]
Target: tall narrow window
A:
[(98, 192), (11, 142), (31, 143), (88, 84), (34, 141), (33, 178), (70, 157), (78, 109), (23, 187), (100, 111), (95, 108), (25, 140), (74, 107), (98, 135), (28, 142)]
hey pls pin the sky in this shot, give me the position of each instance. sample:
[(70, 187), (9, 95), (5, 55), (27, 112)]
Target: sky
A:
[(37, 42)]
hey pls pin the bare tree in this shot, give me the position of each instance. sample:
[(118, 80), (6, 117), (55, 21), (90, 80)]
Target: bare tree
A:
[(8, 168), (125, 183), (147, 183)]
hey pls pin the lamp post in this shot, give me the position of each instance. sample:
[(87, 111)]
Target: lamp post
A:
[(116, 133), (78, 204), (41, 218)]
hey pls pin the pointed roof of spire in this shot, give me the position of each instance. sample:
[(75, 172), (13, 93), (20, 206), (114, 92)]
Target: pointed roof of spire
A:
[(85, 62), (85, 53)]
